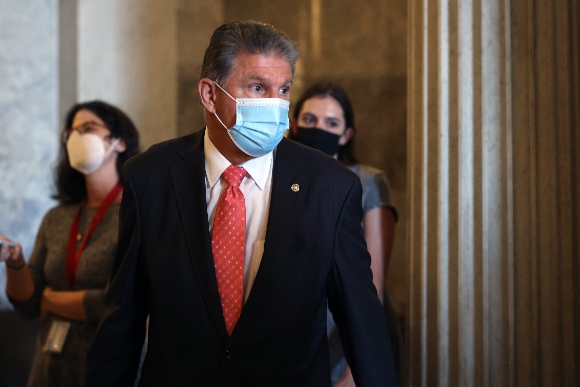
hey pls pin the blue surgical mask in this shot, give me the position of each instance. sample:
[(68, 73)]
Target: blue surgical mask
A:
[(260, 124)]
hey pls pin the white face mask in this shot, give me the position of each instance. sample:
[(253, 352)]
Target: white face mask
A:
[(86, 152)]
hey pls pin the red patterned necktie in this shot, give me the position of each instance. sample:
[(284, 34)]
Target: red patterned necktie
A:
[(228, 241)]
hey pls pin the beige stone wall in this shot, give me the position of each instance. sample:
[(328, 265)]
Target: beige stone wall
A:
[(127, 55), (362, 46), (196, 21)]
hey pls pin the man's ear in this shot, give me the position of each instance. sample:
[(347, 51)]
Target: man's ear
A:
[(346, 136), (207, 94), (293, 126), (121, 147)]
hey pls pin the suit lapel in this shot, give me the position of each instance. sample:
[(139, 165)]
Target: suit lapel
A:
[(285, 207), (188, 177)]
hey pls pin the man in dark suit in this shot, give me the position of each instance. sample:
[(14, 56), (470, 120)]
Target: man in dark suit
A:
[(302, 246)]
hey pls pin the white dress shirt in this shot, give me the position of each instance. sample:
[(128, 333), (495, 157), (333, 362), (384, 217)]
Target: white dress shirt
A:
[(256, 187)]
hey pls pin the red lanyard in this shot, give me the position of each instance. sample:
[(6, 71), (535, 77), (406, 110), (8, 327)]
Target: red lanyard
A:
[(72, 257)]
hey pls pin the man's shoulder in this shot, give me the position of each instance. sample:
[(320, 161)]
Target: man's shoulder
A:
[(312, 161), (167, 152)]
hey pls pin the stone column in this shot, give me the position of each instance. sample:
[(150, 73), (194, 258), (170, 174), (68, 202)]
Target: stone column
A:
[(546, 154), (493, 150)]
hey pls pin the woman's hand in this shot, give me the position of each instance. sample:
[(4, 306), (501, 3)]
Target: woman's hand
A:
[(19, 284), (11, 252)]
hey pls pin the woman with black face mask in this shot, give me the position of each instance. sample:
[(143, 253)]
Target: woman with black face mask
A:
[(324, 119)]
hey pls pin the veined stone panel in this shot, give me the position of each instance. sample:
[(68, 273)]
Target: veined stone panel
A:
[(29, 127)]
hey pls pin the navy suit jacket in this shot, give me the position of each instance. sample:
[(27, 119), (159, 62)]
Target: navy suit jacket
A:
[(314, 253)]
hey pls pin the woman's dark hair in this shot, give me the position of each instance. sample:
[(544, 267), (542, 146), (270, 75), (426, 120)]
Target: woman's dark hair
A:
[(70, 183), (346, 151)]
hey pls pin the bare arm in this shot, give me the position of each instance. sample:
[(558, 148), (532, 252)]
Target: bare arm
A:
[(379, 228), (19, 284), (68, 304), (20, 287)]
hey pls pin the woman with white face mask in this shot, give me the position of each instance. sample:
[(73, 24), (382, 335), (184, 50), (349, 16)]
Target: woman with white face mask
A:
[(324, 119), (64, 281)]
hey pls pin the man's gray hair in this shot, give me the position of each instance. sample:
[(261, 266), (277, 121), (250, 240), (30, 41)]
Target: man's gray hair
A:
[(251, 37)]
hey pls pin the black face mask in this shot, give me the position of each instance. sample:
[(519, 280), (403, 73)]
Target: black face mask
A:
[(318, 139)]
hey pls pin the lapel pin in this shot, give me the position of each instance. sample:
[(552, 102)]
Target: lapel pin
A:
[(295, 187)]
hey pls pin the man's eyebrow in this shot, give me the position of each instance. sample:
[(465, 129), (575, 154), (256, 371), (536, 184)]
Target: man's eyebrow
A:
[(257, 78), (266, 80)]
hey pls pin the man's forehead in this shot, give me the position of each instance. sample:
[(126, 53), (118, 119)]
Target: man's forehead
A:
[(261, 67)]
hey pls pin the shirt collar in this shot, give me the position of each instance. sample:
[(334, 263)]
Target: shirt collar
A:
[(215, 164)]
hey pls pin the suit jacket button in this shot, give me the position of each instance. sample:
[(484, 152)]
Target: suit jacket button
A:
[(228, 355)]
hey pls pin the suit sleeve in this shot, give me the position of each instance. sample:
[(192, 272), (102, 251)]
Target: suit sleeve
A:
[(114, 356), (354, 303)]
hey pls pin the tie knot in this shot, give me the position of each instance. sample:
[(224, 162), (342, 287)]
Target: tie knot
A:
[(233, 175)]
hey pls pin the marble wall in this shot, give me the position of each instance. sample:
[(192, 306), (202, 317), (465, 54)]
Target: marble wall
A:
[(29, 129), (29, 126)]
